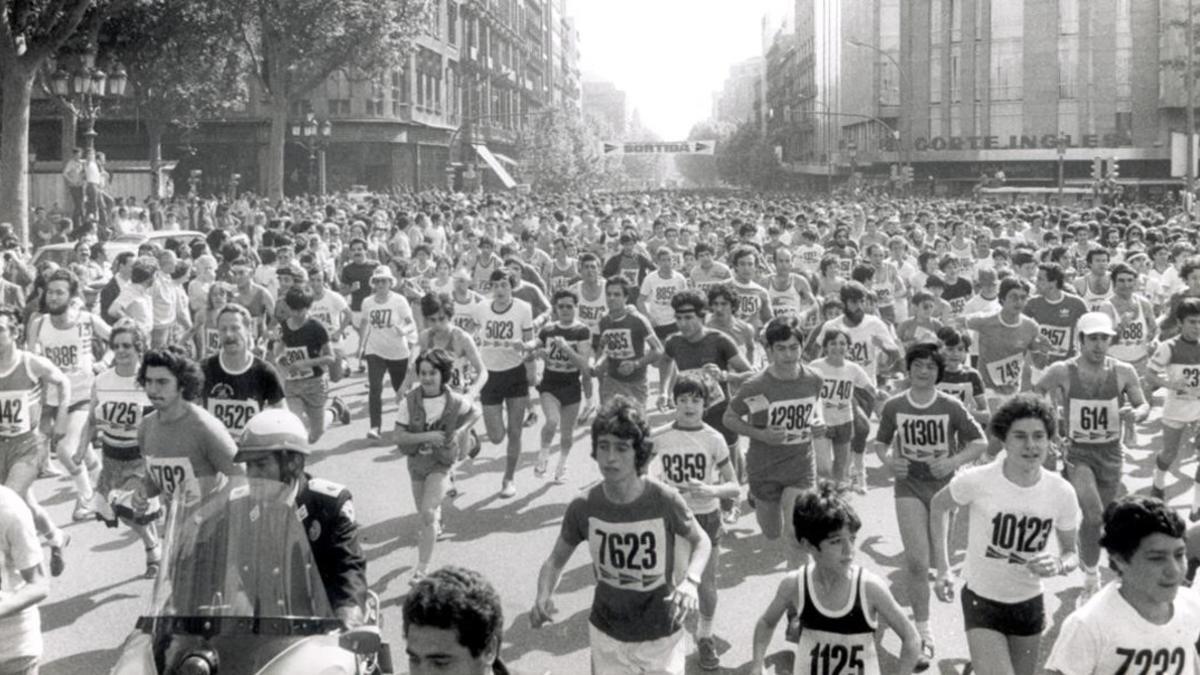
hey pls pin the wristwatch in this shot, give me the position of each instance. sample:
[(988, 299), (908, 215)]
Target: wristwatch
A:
[(695, 582)]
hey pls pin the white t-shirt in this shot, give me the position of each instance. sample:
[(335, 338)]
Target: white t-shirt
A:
[(837, 394), (686, 455), (501, 334), (657, 293), (434, 407), (329, 309), (1107, 635), (1010, 525), (390, 326), (20, 634), (981, 306), (862, 349)]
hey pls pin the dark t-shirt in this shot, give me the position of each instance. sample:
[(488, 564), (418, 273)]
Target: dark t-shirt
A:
[(957, 294), (233, 398), (356, 280), (305, 342), (633, 267), (690, 357), (624, 339)]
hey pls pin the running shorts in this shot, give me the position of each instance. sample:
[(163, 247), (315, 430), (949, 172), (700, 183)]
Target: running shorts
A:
[(502, 385), (1018, 619)]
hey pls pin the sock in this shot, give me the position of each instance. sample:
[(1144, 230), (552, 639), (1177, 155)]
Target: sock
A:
[(1160, 478), (923, 631), (330, 418), (1195, 496), (1091, 576), (704, 627), (83, 485)]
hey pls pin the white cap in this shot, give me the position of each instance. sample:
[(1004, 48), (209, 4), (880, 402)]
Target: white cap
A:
[(1095, 322)]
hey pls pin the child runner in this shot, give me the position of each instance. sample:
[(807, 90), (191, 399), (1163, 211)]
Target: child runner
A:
[(959, 379), (841, 379), (1142, 619), (566, 347), (933, 435), (1176, 366), (841, 639), (694, 459), (631, 524), (1015, 504)]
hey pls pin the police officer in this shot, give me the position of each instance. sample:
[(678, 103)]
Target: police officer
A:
[(274, 446)]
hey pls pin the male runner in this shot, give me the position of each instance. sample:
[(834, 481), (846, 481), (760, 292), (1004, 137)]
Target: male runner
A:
[(237, 384), (1176, 366), (1056, 314), (1100, 393), (592, 306), (627, 345), (754, 303), (1096, 286)]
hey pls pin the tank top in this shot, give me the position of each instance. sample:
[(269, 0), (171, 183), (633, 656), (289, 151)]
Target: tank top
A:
[(786, 301), (1093, 414), (837, 641), (121, 403), (1095, 301), (559, 278), (591, 310), (20, 399), (210, 338), (1130, 343), (71, 350)]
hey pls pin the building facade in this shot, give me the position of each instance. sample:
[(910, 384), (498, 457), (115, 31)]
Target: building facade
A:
[(734, 104), (476, 75), (962, 88)]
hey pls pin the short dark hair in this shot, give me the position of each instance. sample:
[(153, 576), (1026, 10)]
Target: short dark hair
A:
[(781, 328), (832, 334), (690, 298), (689, 383), (1010, 284), (1054, 273), (819, 513), (1095, 252), (949, 336), (144, 269), (853, 291), (623, 418), (432, 303), (1187, 307), (458, 599), (441, 362), (564, 293), (298, 298), (1019, 407), (187, 372), (1132, 518), (925, 350), (64, 274), (717, 291), (618, 280), (1117, 269)]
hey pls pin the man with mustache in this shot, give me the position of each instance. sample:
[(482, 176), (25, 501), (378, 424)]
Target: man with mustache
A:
[(238, 384)]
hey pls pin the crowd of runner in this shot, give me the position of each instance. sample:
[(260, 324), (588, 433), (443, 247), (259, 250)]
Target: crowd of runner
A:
[(730, 354)]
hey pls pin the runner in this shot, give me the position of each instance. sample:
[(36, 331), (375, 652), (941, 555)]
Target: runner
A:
[(431, 425), (1056, 314), (842, 380), (959, 379), (924, 437), (638, 610), (207, 336), (654, 300), (25, 587), (630, 264), (1007, 339), (693, 458), (118, 405), (722, 302), (1137, 330), (753, 301), (1096, 286), (304, 354), (1176, 366), (388, 333), (565, 346), (506, 333), (1015, 504), (779, 410), (237, 384), (826, 528), (64, 336), (334, 314), (708, 272), (788, 292), (1142, 618), (592, 306), (627, 345), (453, 622)]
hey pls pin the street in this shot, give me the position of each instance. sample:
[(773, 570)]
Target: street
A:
[(93, 606)]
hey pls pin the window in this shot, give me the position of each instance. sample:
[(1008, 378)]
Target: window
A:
[(935, 75), (337, 93), (937, 21), (1008, 19), (434, 27), (979, 74), (955, 80), (301, 108), (1006, 120), (956, 120), (1068, 118), (956, 20), (1123, 65), (452, 22), (399, 91), (1068, 17), (935, 120), (1124, 124), (374, 105), (1068, 66), (1006, 74), (889, 26)]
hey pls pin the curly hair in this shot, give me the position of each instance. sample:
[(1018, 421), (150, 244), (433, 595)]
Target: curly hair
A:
[(1019, 407), (131, 327), (1132, 518), (458, 599), (188, 375), (622, 418), (819, 513)]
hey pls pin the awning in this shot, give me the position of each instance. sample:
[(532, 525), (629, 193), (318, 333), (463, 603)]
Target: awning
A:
[(495, 165), (505, 158)]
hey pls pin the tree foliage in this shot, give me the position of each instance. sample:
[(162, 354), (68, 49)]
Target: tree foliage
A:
[(560, 152), (746, 158)]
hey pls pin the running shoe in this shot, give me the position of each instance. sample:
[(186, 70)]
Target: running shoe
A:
[(416, 578), (476, 445), (732, 515), (373, 434), (707, 648), (531, 418), (82, 512), (543, 463), (560, 474), (452, 491), (57, 564), (585, 415), (48, 470), (341, 410), (1158, 493), (858, 483), (153, 562), (926, 657), (508, 489)]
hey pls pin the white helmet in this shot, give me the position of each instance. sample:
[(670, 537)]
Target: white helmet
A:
[(276, 430)]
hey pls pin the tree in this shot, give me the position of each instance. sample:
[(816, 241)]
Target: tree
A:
[(702, 169), (560, 153), (295, 46), (184, 64), (746, 158), (31, 31)]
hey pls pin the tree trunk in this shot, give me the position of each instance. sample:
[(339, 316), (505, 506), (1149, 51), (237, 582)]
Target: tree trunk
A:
[(277, 109), (154, 134), (17, 84)]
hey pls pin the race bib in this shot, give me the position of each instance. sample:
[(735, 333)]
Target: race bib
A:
[(748, 306), (498, 332), (846, 265), (1058, 337), (14, 413), (883, 295), (923, 438), (212, 341), (1007, 371), (66, 357), (797, 416), (123, 414), (1016, 538), (292, 355), (859, 352), (663, 295), (557, 358), (1131, 331), (679, 468), (1185, 380), (233, 414), (715, 393), (172, 474), (1093, 421), (629, 556), (590, 315), (836, 394), (959, 390), (380, 318), (957, 305), (618, 343), (631, 275)]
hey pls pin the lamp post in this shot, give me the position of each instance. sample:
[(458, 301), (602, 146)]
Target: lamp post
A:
[(313, 135), (83, 91)]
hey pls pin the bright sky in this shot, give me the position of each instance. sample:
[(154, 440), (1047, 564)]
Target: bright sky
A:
[(669, 56)]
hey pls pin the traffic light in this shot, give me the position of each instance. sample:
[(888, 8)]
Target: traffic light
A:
[(1097, 168), (1114, 169), (906, 175)]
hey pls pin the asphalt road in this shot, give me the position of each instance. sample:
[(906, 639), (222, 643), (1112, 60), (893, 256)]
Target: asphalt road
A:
[(93, 606)]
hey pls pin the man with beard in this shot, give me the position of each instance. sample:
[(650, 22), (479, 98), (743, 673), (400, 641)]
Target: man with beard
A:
[(64, 336), (237, 384)]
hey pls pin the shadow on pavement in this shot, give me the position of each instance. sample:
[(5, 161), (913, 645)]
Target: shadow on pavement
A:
[(65, 612), (564, 636), (85, 663)]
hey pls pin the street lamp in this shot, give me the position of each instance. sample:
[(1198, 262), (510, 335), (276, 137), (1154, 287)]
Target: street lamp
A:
[(194, 181), (313, 135)]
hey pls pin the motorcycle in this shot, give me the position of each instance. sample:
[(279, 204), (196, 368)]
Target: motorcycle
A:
[(239, 593)]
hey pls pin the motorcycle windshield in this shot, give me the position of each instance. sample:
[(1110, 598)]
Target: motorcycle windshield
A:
[(238, 550)]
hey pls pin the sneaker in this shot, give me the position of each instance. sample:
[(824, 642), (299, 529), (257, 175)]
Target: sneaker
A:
[(732, 515), (476, 445), (926, 657), (153, 562), (792, 634), (416, 578), (341, 410), (543, 463), (57, 564), (452, 491), (531, 418), (585, 415), (508, 489), (707, 648), (560, 474), (858, 483), (82, 512), (1158, 493), (373, 434)]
